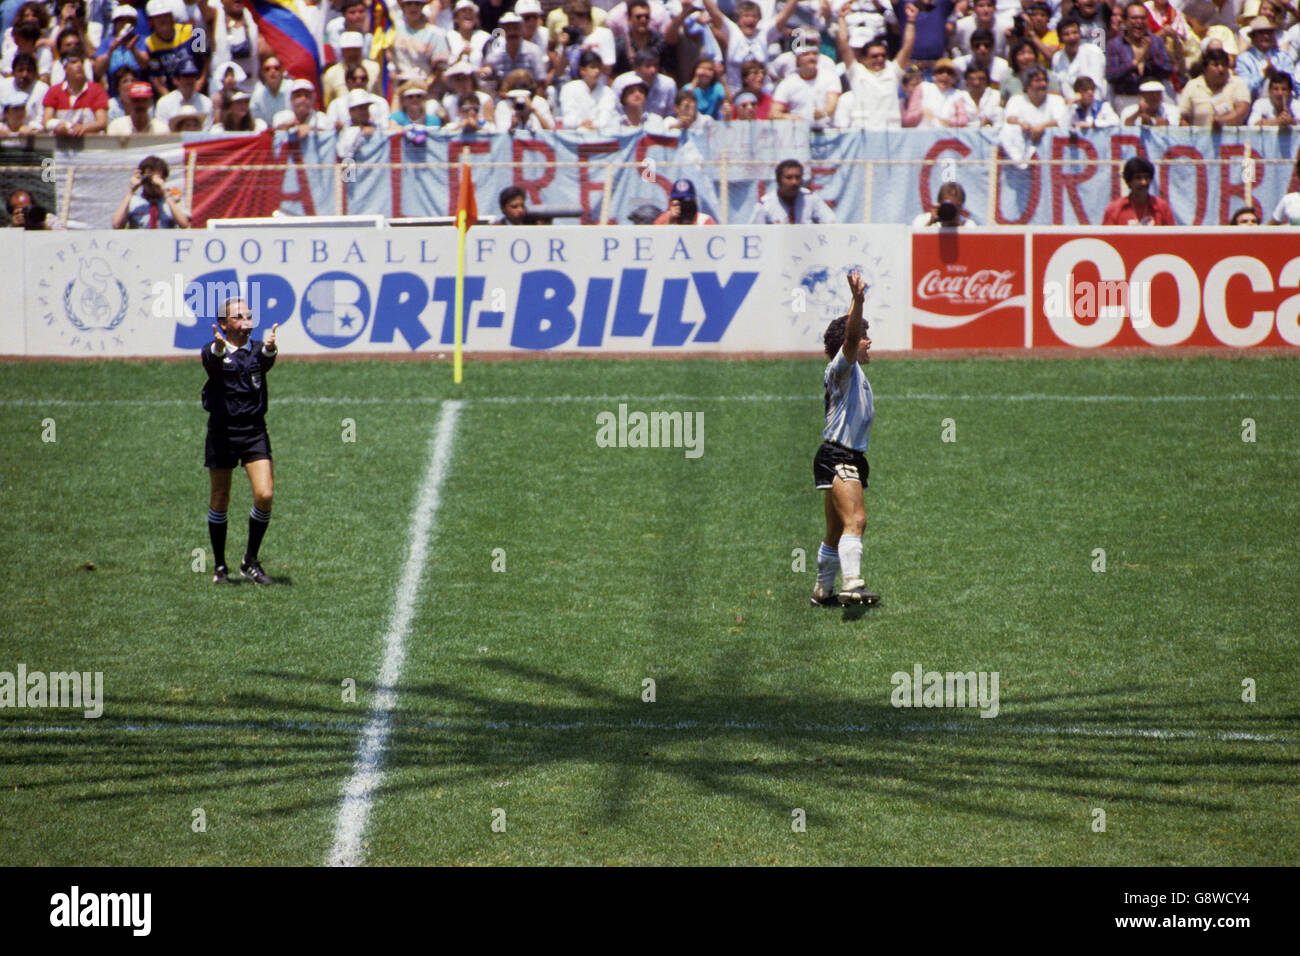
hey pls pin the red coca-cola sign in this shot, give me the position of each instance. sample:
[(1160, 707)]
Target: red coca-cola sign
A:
[(968, 290)]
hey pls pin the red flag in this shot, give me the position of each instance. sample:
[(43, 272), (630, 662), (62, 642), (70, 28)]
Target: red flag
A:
[(465, 201)]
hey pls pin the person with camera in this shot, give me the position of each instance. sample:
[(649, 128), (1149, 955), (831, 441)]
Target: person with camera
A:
[(153, 207), (948, 211), (117, 48), (581, 36), (520, 108), (683, 208)]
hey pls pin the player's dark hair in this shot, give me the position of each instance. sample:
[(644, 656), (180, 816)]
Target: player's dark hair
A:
[(834, 337)]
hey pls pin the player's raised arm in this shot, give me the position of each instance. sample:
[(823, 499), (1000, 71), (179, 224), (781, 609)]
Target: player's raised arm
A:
[(853, 328)]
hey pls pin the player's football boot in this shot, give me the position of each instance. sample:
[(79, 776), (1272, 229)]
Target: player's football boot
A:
[(221, 575), (822, 598), (253, 571), (855, 592)]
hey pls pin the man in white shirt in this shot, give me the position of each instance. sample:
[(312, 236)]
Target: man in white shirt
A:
[(1076, 58), (186, 94), (984, 16), (874, 79), (790, 202), (1029, 115), (748, 37), (302, 117), (139, 118), (806, 95), (588, 102)]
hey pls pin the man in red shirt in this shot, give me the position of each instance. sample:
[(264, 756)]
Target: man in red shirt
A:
[(76, 106), (1139, 207)]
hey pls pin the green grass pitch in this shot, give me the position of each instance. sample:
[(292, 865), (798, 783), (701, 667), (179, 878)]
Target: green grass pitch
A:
[(522, 691)]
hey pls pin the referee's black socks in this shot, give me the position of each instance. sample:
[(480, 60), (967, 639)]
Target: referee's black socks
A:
[(217, 535), (257, 522)]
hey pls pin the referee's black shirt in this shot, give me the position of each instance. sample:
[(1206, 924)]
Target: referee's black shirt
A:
[(235, 392)]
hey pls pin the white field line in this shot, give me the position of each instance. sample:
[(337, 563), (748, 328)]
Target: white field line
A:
[(368, 773), (472, 726), (811, 398)]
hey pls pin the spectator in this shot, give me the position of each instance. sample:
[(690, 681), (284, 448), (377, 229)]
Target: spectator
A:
[(617, 18), (140, 118), (76, 107), (466, 41), (271, 94), (514, 207), (688, 114), (236, 118), (354, 18), (910, 94), (302, 118), (186, 94), (1094, 22), (1168, 24), (420, 49), (118, 48), (1076, 59), (986, 100), (690, 34), (227, 80), (1280, 107), (942, 104), (662, 89), (462, 79), (1132, 58), (119, 92), (26, 82), (16, 205), (521, 108), (1139, 207), (361, 125), (984, 16), (414, 109), (948, 211), (981, 42), (25, 37), (1042, 37), (790, 202), (588, 102), (806, 95), (1151, 108), (68, 44), (631, 95), (1287, 210), (1216, 98), (1023, 56), (235, 43), (512, 52), (787, 63), (1087, 111), (683, 208), (709, 91), (583, 36), (747, 38), (171, 47), (469, 116), (640, 37), (1245, 216), (334, 79), (1262, 54), (931, 29), (13, 115), (153, 208), (1029, 115), (745, 106), (753, 78), (530, 11), (187, 119)]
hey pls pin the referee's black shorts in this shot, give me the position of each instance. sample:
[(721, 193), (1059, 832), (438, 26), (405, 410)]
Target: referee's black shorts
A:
[(231, 444), (836, 461)]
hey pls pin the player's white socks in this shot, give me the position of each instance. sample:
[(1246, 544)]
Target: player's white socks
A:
[(828, 565), (851, 558)]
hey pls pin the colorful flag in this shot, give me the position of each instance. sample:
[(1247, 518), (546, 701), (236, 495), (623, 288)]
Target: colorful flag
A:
[(466, 216), (466, 205), (291, 39)]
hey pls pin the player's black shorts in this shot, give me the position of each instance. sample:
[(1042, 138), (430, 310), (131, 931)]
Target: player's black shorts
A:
[(229, 445), (835, 461)]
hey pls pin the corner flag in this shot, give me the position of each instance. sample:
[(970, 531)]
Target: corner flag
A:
[(466, 216)]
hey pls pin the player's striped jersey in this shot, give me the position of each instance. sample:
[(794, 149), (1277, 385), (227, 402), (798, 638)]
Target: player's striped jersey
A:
[(849, 406)]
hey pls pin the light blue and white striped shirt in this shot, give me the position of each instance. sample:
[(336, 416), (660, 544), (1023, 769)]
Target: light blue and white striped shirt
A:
[(850, 408)]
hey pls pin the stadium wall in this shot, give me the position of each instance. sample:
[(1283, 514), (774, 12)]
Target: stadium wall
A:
[(667, 290)]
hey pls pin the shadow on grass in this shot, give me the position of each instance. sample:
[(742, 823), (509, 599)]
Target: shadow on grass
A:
[(716, 739)]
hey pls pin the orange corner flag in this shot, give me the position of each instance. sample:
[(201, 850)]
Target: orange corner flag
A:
[(466, 206)]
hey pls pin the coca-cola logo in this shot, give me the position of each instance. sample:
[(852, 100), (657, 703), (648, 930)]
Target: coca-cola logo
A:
[(981, 287)]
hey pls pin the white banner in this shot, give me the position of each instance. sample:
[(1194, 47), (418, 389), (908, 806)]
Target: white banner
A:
[(538, 289)]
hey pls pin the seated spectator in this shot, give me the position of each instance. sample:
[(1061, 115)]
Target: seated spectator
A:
[(361, 126), (1029, 115), (227, 80), (707, 88), (981, 42), (910, 95), (26, 82), (1041, 36), (462, 79), (747, 38), (790, 202), (334, 79), (588, 102), (512, 52), (466, 41), (13, 116), (943, 105), (271, 94), (469, 116), (582, 36), (354, 17), (140, 118), (640, 37), (302, 118), (414, 109), (948, 211), (1261, 56), (1216, 98), (236, 118), (1076, 59), (753, 80), (419, 48), (1095, 19), (520, 107), (1151, 109), (745, 107), (663, 91), (1280, 107), (76, 107), (1139, 207), (25, 37), (631, 95), (1133, 58), (683, 208), (186, 94), (235, 43), (1089, 112), (688, 114), (171, 47), (187, 119), (984, 16), (987, 101), (118, 47), (874, 80), (68, 44), (153, 208), (806, 95), (1024, 56)]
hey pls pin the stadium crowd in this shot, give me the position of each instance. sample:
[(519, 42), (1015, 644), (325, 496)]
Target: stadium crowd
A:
[(91, 67)]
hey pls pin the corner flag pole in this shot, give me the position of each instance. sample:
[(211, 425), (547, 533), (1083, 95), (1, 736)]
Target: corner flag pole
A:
[(466, 216)]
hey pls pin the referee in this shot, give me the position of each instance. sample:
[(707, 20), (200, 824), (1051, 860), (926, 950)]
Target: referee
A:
[(234, 397), (840, 468)]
